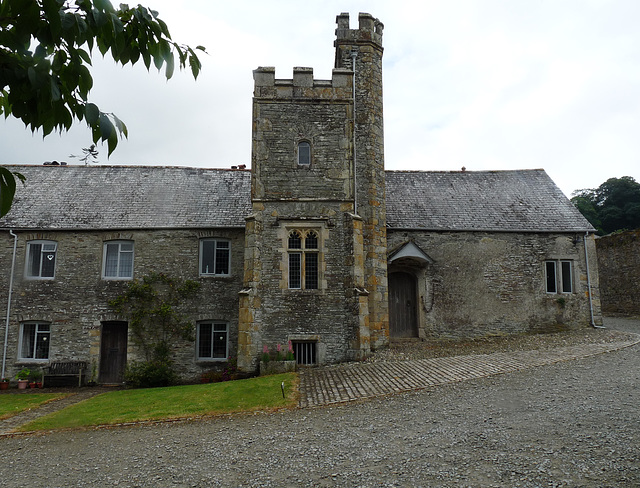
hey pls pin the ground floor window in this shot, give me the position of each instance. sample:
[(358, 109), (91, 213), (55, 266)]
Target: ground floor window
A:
[(34, 341), (559, 276), (304, 351), (212, 340)]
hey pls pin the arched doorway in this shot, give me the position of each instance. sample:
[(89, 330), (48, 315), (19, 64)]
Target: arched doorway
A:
[(403, 300)]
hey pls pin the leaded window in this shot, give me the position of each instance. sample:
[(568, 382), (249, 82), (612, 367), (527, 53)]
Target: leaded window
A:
[(303, 250)]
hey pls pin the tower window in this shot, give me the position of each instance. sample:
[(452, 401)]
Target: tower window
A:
[(304, 153), (303, 259)]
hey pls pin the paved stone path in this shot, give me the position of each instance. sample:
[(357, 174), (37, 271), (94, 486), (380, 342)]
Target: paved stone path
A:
[(355, 381)]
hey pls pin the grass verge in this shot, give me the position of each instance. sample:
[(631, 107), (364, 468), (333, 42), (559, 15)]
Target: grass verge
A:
[(12, 404), (123, 406)]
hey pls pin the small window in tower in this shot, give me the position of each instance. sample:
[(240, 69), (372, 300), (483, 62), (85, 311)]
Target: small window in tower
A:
[(304, 153)]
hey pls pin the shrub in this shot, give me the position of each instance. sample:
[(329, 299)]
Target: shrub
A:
[(154, 372)]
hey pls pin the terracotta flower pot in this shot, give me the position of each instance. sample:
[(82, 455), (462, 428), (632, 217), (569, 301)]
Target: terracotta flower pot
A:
[(22, 384), (4, 385)]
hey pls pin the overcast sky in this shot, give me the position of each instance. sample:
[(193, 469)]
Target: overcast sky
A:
[(484, 84)]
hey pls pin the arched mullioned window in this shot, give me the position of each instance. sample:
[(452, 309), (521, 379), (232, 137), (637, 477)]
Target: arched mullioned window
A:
[(304, 153), (303, 250)]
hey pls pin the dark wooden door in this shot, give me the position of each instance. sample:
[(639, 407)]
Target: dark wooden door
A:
[(113, 352), (403, 305)]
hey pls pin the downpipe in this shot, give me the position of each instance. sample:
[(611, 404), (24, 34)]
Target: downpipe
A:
[(6, 325), (586, 259)]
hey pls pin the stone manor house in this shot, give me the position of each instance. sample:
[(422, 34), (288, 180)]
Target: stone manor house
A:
[(316, 244)]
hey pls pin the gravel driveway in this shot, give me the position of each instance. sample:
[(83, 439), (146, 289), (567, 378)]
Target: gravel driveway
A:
[(570, 424)]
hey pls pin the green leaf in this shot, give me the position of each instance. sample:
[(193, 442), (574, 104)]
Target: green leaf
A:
[(31, 73), (92, 113), (55, 91), (112, 142), (170, 67), (106, 127), (7, 190), (122, 129), (84, 55)]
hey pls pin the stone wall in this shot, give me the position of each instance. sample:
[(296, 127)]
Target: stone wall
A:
[(483, 284), (619, 269), (75, 302)]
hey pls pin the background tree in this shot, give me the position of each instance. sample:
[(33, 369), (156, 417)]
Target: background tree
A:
[(89, 155), (153, 306), (45, 50), (614, 205)]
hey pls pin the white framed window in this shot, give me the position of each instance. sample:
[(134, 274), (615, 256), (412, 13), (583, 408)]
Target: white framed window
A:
[(303, 251), (41, 259), (304, 153), (215, 257), (117, 260), (559, 276), (34, 340), (212, 341)]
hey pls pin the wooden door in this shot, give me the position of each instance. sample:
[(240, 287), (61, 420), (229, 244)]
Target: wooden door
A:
[(113, 352), (403, 314)]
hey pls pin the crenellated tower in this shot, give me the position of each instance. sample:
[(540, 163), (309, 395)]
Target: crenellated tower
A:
[(315, 255), (364, 45)]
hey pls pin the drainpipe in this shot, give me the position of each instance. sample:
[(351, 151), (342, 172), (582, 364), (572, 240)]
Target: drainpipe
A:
[(586, 259), (6, 325), (354, 55)]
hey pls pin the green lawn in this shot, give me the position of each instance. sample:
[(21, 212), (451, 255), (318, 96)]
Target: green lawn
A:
[(12, 404), (262, 393)]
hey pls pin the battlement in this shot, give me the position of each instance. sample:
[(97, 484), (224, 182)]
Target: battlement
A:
[(302, 85), (369, 29)]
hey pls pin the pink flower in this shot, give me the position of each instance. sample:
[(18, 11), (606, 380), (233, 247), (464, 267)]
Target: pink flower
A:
[(265, 349), (290, 347), (279, 348)]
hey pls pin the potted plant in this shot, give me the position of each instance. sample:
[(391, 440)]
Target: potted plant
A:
[(23, 378), (36, 378), (277, 362), (4, 384)]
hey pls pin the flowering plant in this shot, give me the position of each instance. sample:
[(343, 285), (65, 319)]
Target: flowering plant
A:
[(279, 354), (290, 356)]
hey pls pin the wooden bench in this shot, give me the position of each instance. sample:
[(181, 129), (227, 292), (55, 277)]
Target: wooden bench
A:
[(65, 369)]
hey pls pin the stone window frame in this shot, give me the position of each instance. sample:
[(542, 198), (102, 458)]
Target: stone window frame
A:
[(305, 280), (120, 253), (213, 323), (46, 339), (555, 276), (320, 226), (306, 143), (216, 240), (30, 256)]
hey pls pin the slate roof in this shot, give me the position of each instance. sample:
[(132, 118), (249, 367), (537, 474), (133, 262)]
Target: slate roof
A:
[(511, 201), (155, 197), (129, 197)]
